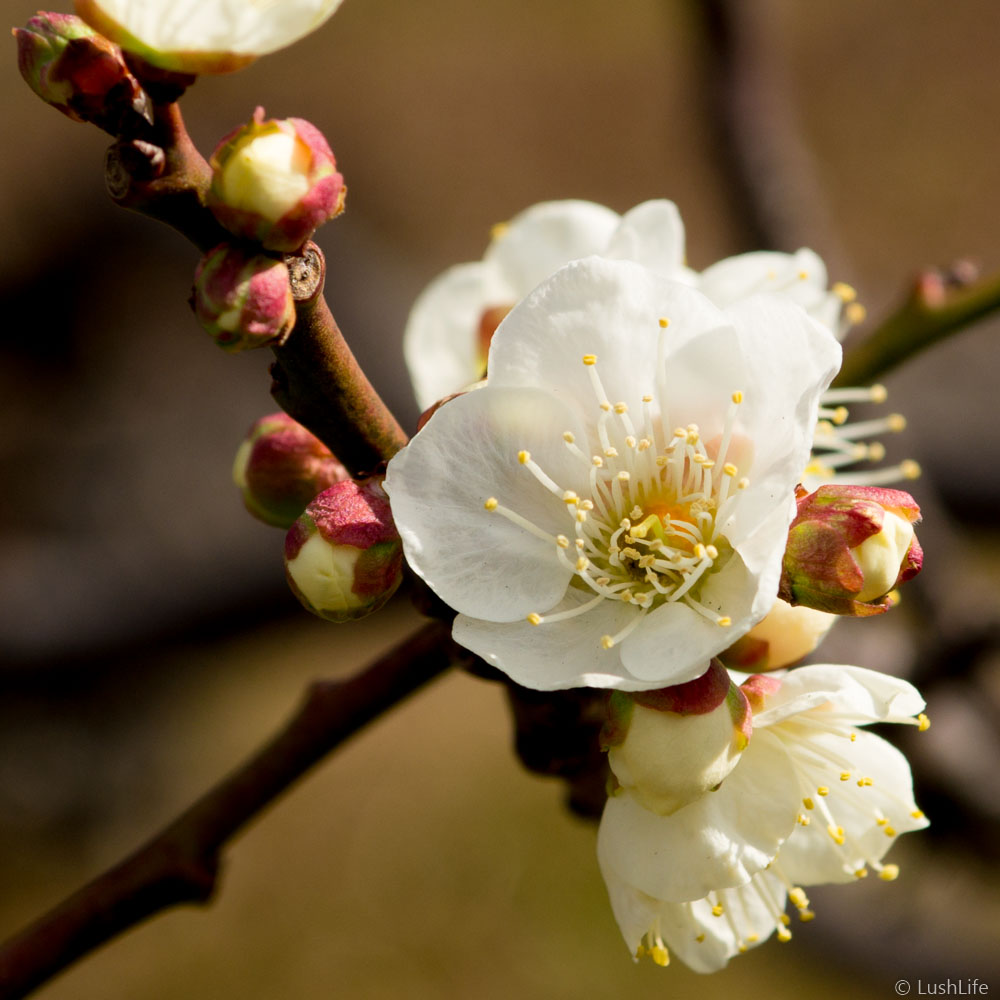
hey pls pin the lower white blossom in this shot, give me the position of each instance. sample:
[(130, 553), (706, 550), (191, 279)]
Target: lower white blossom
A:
[(812, 799), (611, 508)]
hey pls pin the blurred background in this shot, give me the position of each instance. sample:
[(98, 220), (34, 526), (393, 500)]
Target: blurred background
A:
[(148, 642)]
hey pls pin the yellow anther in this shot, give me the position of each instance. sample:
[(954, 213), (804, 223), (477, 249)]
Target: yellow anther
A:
[(822, 790), (881, 821), (699, 551), (725, 621), (607, 642), (856, 313), (923, 723), (803, 275), (611, 452), (878, 393), (499, 230), (621, 408), (699, 938), (909, 469), (844, 291), (664, 323), (917, 814), (876, 451), (753, 938), (570, 497), (580, 544), (630, 442), (845, 775), (889, 873), (890, 831), (661, 461), (581, 516), (562, 541), (640, 951), (644, 443), (806, 915), (808, 803), (492, 503), (660, 955), (802, 819), (717, 910), (712, 552), (864, 782), (647, 398), (569, 437), (524, 456), (836, 833), (590, 359), (582, 563), (854, 737), (743, 483), (896, 422), (624, 476), (606, 406), (586, 505), (597, 462), (785, 919), (737, 397), (784, 934), (861, 873), (840, 415), (742, 948), (535, 618)]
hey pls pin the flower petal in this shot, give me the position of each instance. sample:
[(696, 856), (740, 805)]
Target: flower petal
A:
[(476, 560), (542, 238), (652, 234), (715, 842)]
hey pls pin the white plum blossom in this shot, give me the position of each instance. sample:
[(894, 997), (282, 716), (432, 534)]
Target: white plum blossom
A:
[(611, 508), (447, 333), (812, 799), (204, 36)]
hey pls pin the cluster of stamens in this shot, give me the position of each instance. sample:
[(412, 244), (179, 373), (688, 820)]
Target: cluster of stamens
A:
[(652, 524)]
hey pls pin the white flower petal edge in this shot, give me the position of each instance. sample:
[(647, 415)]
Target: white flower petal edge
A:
[(544, 237), (639, 483), (849, 796), (204, 35)]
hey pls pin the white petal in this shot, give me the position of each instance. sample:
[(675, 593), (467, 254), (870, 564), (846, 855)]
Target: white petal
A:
[(720, 841), (800, 277), (652, 234), (810, 855), (476, 560), (556, 655), (542, 238), (607, 308), (441, 340), (674, 643), (854, 695)]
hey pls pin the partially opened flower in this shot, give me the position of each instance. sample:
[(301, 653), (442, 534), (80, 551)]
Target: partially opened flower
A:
[(811, 799), (447, 334), (611, 508), (204, 36)]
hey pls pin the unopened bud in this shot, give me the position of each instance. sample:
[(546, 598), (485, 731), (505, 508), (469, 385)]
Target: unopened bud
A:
[(343, 556), (848, 547), (280, 467), (275, 181), (78, 71), (243, 299), (784, 636), (672, 746)]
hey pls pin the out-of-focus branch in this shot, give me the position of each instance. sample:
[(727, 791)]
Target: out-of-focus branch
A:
[(316, 378), (768, 172), (938, 306), (181, 864)]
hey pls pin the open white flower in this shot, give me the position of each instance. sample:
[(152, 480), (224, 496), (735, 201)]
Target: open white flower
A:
[(447, 334), (611, 508), (204, 36), (812, 799)]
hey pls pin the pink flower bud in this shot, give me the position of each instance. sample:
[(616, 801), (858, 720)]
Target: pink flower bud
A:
[(243, 299), (343, 556), (77, 71), (671, 746), (848, 547), (275, 181), (280, 467)]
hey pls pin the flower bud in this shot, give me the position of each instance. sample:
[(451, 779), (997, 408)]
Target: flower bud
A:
[(672, 746), (275, 181), (343, 556), (280, 467), (784, 636), (77, 71), (212, 36), (848, 547), (243, 299)]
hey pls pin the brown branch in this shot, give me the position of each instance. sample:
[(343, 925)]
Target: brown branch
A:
[(316, 378), (181, 864)]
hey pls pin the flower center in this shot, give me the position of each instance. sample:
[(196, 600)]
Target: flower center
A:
[(651, 528)]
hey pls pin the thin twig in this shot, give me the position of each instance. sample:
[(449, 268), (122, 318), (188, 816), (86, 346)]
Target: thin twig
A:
[(181, 864)]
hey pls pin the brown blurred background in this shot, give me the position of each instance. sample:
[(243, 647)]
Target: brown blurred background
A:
[(147, 641)]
